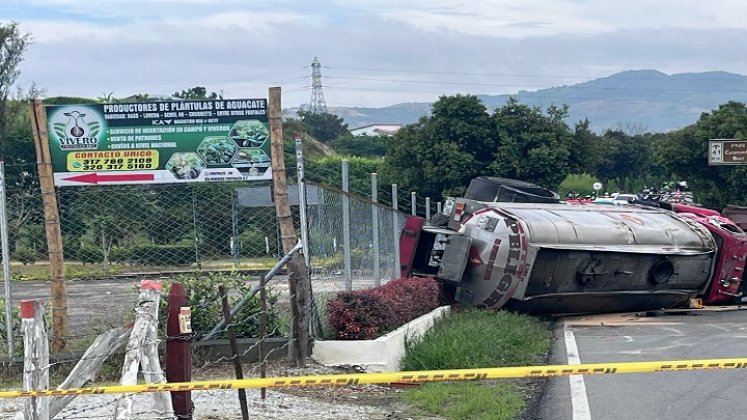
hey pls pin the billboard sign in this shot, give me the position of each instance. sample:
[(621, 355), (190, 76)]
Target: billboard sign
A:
[(159, 142), (727, 152)]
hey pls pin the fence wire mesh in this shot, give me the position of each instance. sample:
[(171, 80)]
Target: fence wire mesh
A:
[(163, 230), (183, 227), (327, 236)]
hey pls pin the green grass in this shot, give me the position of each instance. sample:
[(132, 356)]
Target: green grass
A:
[(479, 339), (475, 401), (476, 339)]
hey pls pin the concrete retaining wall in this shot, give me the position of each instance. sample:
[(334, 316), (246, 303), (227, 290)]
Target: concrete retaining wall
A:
[(380, 355)]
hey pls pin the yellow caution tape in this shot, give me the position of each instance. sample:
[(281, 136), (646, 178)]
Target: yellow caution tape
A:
[(391, 377)]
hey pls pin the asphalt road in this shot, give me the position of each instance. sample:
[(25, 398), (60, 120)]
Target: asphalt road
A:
[(668, 395), (95, 306)]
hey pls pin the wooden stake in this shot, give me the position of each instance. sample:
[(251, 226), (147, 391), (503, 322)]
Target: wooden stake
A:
[(52, 226), (142, 350), (298, 284), (35, 359), (87, 368), (234, 349), (178, 352)]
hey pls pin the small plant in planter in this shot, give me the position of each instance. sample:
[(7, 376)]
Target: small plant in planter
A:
[(367, 314)]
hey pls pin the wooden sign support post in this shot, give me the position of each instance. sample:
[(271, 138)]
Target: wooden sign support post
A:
[(52, 226), (299, 345)]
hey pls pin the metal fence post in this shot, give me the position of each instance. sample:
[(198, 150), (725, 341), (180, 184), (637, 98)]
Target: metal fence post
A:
[(395, 206), (427, 208), (235, 243), (302, 202), (6, 263), (35, 359), (414, 203), (194, 227), (346, 226), (438, 207), (375, 229)]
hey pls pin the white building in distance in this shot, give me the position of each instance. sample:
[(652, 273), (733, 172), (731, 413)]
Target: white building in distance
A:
[(376, 130)]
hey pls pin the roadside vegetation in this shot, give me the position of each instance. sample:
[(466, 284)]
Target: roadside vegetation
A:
[(476, 339)]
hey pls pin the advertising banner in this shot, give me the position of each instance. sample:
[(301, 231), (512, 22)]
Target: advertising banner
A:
[(159, 142)]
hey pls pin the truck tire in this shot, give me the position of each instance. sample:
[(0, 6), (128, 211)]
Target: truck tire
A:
[(489, 188)]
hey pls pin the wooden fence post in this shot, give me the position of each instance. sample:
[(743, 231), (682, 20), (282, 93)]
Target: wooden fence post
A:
[(179, 350), (35, 359), (234, 349), (51, 225), (142, 349), (299, 343)]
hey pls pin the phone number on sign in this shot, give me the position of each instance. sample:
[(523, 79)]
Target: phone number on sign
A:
[(114, 164)]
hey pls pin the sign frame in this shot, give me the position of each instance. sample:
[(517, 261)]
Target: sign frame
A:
[(177, 141), (727, 152)]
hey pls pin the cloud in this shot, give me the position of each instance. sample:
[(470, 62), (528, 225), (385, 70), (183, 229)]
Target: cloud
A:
[(372, 53)]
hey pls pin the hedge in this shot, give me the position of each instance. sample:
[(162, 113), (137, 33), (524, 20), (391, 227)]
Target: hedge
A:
[(367, 314)]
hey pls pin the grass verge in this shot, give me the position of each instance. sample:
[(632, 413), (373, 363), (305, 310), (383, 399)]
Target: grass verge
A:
[(476, 339)]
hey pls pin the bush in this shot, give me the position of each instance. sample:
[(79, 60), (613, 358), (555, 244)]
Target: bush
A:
[(207, 309), (367, 314), (163, 254), (25, 255), (120, 254), (90, 255), (17, 331), (252, 243)]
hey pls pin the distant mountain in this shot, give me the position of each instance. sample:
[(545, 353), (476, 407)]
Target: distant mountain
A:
[(639, 100)]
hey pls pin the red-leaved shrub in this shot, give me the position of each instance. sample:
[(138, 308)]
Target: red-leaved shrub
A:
[(367, 314)]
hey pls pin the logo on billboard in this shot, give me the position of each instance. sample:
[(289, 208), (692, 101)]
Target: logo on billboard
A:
[(77, 128)]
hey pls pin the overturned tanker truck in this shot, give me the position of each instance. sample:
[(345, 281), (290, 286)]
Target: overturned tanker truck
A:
[(515, 245)]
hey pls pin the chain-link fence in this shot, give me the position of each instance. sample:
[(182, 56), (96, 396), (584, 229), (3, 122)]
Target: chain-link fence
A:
[(372, 231), (148, 228), (185, 227)]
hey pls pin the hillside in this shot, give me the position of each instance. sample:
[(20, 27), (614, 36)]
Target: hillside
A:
[(640, 100)]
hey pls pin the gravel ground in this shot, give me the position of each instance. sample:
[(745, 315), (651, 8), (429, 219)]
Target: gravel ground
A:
[(350, 402)]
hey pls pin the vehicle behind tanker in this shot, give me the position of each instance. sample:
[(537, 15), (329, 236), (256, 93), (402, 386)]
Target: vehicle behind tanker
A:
[(550, 257)]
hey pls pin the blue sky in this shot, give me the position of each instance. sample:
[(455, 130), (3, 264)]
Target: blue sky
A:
[(373, 53)]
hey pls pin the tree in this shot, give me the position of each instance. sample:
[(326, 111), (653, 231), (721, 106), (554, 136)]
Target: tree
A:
[(13, 46), (368, 146), (328, 170), (585, 153), (684, 153), (440, 154), (624, 158), (532, 146), (196, 93), (325, 127)]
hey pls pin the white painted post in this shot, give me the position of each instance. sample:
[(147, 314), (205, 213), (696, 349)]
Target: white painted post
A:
[(427, 208), (35, 359), (150, 362), (413, 203), (143, 349)]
